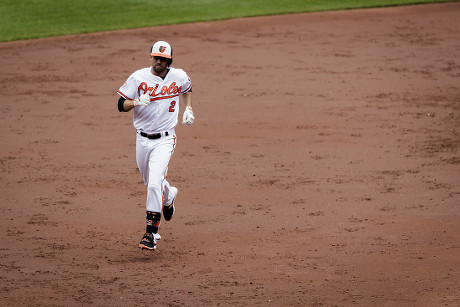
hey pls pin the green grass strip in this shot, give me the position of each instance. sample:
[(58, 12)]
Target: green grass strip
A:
[(25, 19)]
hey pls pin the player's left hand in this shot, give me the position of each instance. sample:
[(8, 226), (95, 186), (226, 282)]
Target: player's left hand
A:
[(188, 117)]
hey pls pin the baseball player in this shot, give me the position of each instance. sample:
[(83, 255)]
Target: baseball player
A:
[(153, 93)]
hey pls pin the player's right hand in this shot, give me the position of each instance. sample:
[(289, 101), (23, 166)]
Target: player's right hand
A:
[(143, 100)]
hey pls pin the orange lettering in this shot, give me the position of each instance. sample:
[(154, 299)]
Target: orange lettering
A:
[(142, 87), (154, 90), (172, 88)]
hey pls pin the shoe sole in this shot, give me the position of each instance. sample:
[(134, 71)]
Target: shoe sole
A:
[(142, 246)]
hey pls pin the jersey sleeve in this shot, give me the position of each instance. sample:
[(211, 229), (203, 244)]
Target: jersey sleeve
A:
[(186, 84), (129, 89)]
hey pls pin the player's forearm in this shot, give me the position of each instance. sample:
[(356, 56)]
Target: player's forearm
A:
[(125, 105), (128, 105), (187, 99)]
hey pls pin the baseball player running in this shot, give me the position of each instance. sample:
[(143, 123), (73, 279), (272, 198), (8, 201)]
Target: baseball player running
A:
[(153, 93)]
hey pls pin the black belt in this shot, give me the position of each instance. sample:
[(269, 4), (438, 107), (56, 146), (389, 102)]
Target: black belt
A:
[(153, 136)]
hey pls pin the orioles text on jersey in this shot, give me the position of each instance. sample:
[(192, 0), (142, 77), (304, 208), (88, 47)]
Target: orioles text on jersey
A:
[(166, 92)]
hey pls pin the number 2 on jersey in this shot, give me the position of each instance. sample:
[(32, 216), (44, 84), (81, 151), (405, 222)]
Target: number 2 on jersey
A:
[(172, 106)]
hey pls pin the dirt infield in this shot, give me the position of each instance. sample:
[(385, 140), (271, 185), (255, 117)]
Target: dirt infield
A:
[(322, 170)]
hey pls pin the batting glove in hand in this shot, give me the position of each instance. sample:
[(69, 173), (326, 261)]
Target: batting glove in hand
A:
[(188, 117), (143, 100)]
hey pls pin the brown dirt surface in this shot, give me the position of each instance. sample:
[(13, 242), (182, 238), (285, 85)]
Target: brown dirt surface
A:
[(322, 169)]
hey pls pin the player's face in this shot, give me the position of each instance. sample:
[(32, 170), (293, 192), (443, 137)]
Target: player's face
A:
[(159, 64)]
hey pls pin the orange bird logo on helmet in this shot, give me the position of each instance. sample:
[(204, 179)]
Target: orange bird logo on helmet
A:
[(162, 49)]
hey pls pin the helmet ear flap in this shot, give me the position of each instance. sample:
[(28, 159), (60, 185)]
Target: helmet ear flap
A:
[(171, 59)]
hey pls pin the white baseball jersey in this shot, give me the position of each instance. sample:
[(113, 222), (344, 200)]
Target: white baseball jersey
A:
[(161, 114)]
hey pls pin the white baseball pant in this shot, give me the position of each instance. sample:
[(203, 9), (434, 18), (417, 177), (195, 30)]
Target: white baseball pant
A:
[(153, 156)]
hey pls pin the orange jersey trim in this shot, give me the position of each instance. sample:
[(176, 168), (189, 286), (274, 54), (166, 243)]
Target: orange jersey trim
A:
[(123, 95), (188, 88), (163, 97)]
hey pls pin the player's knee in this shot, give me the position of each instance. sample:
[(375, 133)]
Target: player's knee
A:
[(154, 186)]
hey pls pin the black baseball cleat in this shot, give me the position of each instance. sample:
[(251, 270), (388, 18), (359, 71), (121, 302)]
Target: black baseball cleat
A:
[(149, 241), (168, 211)]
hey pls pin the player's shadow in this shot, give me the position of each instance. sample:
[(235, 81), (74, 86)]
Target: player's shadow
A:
[(142, 256)]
